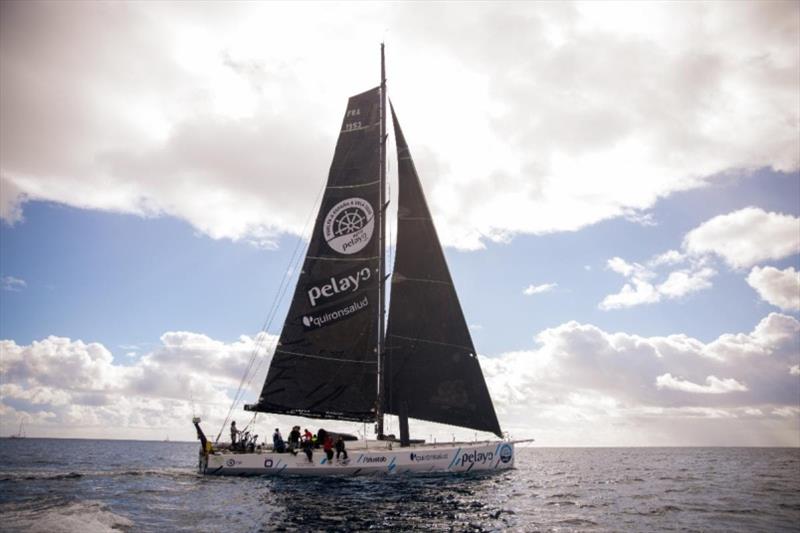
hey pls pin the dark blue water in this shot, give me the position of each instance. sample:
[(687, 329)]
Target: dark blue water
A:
[(80, 485)]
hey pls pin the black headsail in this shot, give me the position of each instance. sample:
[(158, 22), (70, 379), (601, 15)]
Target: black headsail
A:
[(325, 364), (432, 370)]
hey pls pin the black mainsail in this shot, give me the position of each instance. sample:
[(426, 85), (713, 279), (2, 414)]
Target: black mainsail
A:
[(325, 363), (431, 367)]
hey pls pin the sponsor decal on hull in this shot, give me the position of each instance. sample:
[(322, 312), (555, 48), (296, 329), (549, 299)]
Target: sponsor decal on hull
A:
[(418, 457), (506, 453), (476, 457)]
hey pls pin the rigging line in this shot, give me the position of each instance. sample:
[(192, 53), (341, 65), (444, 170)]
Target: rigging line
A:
[(295, 266), (285, 282), (251, 423), (338, 360), (289, 273)]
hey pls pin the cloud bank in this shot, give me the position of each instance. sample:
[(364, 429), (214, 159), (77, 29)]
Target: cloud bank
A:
[(579, 385), (225, 116)]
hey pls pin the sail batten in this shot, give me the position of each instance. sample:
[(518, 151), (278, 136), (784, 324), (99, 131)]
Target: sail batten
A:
[(432, 371)]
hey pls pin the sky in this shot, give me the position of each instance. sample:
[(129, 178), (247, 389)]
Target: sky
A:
[(617, 186)]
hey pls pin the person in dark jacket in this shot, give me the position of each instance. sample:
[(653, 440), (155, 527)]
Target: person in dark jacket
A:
[(294, 440), (277, 442), (308, 448), (340, 448)]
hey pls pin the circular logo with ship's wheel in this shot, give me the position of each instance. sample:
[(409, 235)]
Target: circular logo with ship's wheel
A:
[(349, 225), (506, 453)]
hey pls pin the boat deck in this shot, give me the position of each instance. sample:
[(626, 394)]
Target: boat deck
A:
[(373, 445)]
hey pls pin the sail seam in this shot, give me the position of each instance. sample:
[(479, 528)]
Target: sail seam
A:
[(341, 258), (424, 280), (430, 341), (326, 358), (414, 218), (352, 186)]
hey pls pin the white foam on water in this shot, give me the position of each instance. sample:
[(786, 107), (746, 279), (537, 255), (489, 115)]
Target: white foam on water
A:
[(84, 516)]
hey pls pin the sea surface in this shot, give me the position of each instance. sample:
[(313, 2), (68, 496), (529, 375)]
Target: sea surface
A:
[(91, 486)]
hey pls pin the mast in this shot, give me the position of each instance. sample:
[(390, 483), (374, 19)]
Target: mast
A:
[(382, 254)]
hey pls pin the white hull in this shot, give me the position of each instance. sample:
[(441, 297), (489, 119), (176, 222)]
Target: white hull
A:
[(375, 460)]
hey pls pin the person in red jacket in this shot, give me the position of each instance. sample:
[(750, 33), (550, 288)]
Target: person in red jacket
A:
[(328, 447)]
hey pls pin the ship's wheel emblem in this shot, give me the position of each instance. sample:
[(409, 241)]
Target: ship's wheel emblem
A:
[(349, 221), (348, 226)]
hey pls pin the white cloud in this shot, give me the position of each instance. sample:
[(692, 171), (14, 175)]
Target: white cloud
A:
[(582, 385), (641, 291), (530, 290), (226, 117), (73, 388), (579, 385), (781, 288), (683, 282), (10, 283), (670, 257), (713, 385), (741, 238), (620, 266), (746, 237)]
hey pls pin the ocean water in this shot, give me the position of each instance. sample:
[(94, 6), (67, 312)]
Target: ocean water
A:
[(93, 486)]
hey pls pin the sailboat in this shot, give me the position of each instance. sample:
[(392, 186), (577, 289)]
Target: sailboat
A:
[(337, 359), (21, 433)]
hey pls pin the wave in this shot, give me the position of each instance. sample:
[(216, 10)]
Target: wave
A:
[(37, 476), (86, 516), (55, 476), (661, 510)]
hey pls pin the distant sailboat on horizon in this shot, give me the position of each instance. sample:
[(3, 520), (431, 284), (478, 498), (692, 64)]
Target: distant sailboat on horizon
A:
[(21, 432)]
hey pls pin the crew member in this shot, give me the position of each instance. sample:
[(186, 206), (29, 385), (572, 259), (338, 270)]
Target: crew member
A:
[(234, 434), (340, 448), (294, 440), (327, 445), (308, 448), (277, 442)]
